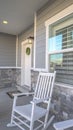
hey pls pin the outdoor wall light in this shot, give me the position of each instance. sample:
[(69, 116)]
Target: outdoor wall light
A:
[(30, 39)]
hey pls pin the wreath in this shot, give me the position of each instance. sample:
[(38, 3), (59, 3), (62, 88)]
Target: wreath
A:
[(28, 51)]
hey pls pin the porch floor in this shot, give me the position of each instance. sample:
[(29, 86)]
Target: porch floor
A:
[(6, 107)]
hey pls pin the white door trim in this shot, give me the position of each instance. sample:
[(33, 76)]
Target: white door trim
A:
[(22, 44)]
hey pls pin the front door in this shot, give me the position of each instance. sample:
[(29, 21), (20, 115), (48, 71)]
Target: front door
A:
[(26, 65)]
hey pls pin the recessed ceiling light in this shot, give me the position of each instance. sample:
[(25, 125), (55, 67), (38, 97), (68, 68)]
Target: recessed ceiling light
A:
[(5, 22)]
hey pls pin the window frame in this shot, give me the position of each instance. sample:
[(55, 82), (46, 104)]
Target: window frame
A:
[(63, 14)]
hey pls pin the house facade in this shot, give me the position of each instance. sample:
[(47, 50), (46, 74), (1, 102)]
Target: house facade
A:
[(51, 49), (46, 24)]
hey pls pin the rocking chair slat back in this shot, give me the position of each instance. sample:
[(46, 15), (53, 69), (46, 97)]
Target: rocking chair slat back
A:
[(44, 85)]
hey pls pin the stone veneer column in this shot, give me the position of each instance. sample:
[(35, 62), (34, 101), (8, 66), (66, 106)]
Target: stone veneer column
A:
[(34, 76), (9, 77), (63, 102)]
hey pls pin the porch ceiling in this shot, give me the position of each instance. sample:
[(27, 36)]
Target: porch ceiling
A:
[(19, 14)]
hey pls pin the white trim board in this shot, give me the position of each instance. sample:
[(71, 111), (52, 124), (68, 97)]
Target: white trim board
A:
[(9, 67), (24, 42), (62, 14), (64, 85), (35, 21), (38, 70), (16, 51), (61, 51)]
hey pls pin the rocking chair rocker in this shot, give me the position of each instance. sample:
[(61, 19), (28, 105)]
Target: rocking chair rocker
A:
[(26, 115)]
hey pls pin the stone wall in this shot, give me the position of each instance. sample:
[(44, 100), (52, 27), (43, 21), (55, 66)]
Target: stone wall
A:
[(34, 76), (63, 102), (62, 99), (9, 77)]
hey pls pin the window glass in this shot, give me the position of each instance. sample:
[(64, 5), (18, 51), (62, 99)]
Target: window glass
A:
[(60, 55), (55, 43), (63, 64), (63, 39)]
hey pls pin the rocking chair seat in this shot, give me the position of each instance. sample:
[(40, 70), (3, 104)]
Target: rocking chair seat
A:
[(25, 111)]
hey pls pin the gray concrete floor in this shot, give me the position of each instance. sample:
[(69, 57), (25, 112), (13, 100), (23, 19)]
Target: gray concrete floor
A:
[(6, 107)]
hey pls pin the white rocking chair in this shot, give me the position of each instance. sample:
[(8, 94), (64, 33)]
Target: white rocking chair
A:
[(26, 115)]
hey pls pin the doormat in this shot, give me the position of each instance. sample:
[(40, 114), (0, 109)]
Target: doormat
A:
[(10, 93)]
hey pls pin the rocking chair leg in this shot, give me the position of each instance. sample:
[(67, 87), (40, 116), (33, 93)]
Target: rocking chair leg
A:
[(48, 123), (12, 117), (11, 124), (31, 125)]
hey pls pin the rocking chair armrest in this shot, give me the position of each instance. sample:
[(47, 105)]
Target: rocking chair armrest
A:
[(23, 94)]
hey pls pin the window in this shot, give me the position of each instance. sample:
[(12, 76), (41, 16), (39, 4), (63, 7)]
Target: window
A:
[(60, 50)]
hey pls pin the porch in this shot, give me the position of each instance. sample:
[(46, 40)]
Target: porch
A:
[(62, 104), (21, 58)]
